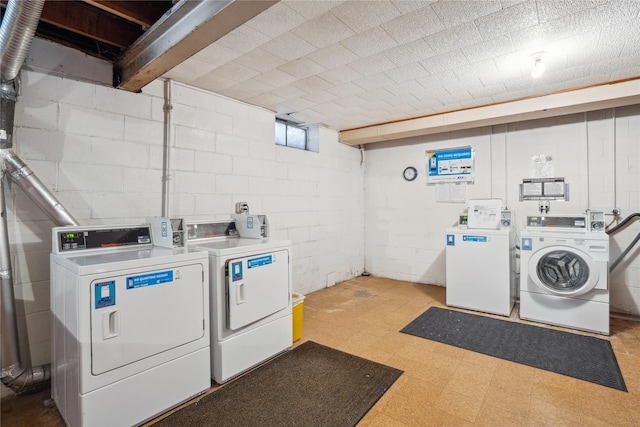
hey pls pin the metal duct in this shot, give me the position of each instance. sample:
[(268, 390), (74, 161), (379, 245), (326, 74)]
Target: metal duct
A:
[(16, 33), (18, 27), (24, 177)]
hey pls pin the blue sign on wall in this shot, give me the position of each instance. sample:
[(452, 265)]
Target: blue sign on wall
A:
[(455, 165)]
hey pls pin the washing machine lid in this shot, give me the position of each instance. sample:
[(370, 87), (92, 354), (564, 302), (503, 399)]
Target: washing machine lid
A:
[(235, 246), (566, 271)]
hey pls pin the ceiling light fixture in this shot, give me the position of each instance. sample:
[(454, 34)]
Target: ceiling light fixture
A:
[(538, 65)]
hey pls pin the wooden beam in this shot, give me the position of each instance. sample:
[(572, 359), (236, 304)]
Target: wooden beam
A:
[(143, 13), (90, 22)]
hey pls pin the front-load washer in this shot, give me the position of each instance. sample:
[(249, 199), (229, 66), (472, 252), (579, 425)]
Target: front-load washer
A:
[(250, 290), (130, 325), (564, 273)]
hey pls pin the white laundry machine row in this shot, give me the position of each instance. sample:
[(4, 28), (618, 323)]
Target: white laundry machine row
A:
[(130, 333), (564, 273), (250, 291)]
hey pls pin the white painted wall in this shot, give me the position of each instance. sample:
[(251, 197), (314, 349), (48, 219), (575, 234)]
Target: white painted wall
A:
[(100, 150), (598, 153)]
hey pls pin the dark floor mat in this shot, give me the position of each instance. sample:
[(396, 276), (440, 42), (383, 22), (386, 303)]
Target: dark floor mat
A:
[(578, 356), (312, 385)]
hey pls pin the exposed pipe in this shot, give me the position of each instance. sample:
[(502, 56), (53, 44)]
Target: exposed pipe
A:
[(24, 177), (16, 33), (166, 175)]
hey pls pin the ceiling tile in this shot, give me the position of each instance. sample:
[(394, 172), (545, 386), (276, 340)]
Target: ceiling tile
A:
[(406, 72), (243, 39), (369, 42), (276, 20), (276, 77), (505, 21), (549, 10), (454, 13), (323, 31), (312, 84), (364, 15), (311, 9), (410, 52), (190, 71), (301, 68), (443, 62), (289, 47), (260, 60), (373, 64), (374, 81), (488, 49), (412, 26), (216, 54), (333, 56), (340, 75), (455, 38), (346, 89), (236, 71)]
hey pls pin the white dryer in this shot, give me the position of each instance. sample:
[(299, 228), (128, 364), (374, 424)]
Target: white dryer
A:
[(250, 289), (130, 333), (564, 273)]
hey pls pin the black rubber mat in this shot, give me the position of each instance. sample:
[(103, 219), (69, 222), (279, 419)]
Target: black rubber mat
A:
[(578, 356), (312, 385)]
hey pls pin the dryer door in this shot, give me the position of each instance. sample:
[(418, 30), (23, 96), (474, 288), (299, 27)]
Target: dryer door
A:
[(256, 287), (563, 270)]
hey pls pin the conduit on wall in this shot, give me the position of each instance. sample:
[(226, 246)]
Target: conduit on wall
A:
[(17, 30), (166, 173)]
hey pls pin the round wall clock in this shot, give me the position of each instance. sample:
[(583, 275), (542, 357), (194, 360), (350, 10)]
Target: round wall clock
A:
[(410, 173)]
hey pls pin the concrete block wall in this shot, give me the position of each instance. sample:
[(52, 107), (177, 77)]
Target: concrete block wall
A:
[(100, 150), (598, 153)]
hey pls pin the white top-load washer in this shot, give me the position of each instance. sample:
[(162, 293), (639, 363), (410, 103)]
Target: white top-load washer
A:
[(564, 270), (130, 333), (250, 278), (480, 260)]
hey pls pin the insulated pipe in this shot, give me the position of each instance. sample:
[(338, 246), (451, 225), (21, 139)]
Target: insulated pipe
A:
[(11, 364), (14, 374), (18, 27)]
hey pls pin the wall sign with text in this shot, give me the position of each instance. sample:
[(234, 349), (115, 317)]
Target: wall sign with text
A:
[(453, 165)]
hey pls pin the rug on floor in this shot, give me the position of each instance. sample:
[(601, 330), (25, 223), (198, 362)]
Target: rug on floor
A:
[(578, 356), (309, 385)]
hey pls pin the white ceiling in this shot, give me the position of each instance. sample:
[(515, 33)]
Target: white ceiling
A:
[(356, 63)]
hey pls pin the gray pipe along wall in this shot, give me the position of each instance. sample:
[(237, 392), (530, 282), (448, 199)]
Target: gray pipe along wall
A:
[(16, 33)]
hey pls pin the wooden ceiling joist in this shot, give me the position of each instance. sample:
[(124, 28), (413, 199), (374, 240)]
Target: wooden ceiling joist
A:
[(90, 22), (144, 14)]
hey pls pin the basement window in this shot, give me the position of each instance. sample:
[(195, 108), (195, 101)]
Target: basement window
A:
[(290, 134)]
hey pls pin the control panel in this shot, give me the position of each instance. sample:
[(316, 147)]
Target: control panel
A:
[(79, 239), (575, 222)]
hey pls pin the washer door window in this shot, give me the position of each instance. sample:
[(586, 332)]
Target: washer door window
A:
[(563, 271)]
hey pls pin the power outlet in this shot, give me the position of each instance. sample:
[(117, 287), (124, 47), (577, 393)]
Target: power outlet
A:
[(242, 207), (544, 206)]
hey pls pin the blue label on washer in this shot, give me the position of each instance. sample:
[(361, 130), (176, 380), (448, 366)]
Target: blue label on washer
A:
[(105, 294), (466, 238), (260, 261), (451, 240), (149, 279), (236, 271), (527, 244)]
